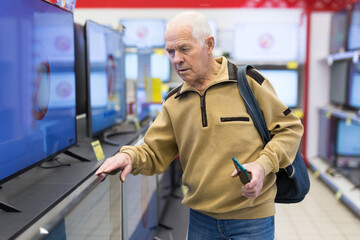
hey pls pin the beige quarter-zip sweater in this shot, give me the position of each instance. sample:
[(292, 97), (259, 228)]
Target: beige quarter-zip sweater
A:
[(206, 131)]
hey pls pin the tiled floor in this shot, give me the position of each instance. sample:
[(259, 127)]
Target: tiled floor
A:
[(319, 217)]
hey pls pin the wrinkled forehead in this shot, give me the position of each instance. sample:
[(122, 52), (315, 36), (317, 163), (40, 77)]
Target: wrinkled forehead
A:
[(178, 31)]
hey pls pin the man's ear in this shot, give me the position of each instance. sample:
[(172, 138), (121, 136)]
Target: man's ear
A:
[(210, 43)]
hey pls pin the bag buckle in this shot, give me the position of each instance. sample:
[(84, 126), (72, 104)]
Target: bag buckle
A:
[(290, 171)]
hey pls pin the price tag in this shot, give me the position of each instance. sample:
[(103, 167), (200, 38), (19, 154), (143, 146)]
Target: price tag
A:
[(328, 114), (330, 60), (348, 121), (98, 150), (299, 113), (338, 195), (137, 124), (292, 65), (184, 189), (316, 174)]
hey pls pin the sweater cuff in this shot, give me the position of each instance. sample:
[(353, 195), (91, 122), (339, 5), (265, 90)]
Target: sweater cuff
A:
[(266, 163), (132, 154)]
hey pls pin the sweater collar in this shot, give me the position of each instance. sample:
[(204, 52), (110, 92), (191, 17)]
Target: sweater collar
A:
[(225, 74)]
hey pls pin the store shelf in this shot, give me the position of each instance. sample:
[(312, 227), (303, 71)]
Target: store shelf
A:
[(344, 190), (354, 55), (342, 114)]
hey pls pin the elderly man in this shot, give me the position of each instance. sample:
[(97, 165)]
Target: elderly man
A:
[(205, 122)]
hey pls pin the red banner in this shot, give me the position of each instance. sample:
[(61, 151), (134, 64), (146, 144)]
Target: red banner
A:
[(315, 5)]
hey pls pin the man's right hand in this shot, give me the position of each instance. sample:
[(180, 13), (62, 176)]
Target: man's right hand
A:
[(120, 161)]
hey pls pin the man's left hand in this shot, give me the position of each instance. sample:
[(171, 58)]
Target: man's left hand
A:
[(253, 188)]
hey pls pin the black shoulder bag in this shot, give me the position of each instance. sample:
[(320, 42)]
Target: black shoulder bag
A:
[(293, 181)]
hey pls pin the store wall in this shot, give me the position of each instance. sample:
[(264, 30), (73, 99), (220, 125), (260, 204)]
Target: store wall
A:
[(226, 18), (319, 77)]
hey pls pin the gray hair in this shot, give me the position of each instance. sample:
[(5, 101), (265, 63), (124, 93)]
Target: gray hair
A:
[(198, 22)]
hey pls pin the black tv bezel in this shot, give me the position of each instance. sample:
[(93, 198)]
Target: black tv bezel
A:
[(346, 78), (299, 70), (89, 127), (346, 30), (37, 163), (80, 69), (350, 17)]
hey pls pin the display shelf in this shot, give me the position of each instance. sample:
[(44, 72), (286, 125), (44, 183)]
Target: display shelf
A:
[(354, 55), (344, 190), (351, 116)]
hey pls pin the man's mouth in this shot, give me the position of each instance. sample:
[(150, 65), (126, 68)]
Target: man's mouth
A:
[(182, 70)]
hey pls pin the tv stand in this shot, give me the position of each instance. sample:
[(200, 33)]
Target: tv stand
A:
[(8, 208), (76, 156), (117, 130)]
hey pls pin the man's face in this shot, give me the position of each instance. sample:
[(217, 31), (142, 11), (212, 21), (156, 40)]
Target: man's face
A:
[(187, 56)]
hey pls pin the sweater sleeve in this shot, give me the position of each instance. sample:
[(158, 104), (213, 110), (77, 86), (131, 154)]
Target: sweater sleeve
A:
[(284, 126), (157, 151)]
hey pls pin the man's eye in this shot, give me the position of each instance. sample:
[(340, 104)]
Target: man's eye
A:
[(170, 52)]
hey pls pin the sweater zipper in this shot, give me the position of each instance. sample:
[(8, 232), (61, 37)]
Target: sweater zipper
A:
[(203, 105), (203, 110)]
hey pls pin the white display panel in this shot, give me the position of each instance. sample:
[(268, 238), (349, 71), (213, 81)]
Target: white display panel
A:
[(266, 42), (285, 83), (144, 33), (160, 67), (213, 26)]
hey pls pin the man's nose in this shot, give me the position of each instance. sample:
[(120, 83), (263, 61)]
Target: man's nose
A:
[(178, 58)]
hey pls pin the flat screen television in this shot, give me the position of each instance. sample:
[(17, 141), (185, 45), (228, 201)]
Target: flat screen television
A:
[(348, 139), (144, 33), (105, 78), (160, 66), (354, 85), (338, 31), (286, 83), (37, 100), (354, 28), (339, 82)]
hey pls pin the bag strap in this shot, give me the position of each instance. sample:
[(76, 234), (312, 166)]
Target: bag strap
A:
[(251, 103), (254, 110)]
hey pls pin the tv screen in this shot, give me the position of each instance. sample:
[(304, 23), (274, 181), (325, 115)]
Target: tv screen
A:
[(37, 99), (259, 42), (160, 67), (354, 85), (144, 33), (105, 77), (348, 139), (131, 65), (338, 31), (285, 83), (354, 28), (338, 82)]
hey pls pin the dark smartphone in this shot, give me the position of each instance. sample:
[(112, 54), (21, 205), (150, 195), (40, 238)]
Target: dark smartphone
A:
[(244, 175)]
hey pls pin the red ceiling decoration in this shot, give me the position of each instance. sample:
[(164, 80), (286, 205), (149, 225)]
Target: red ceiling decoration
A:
[(313, 5)]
